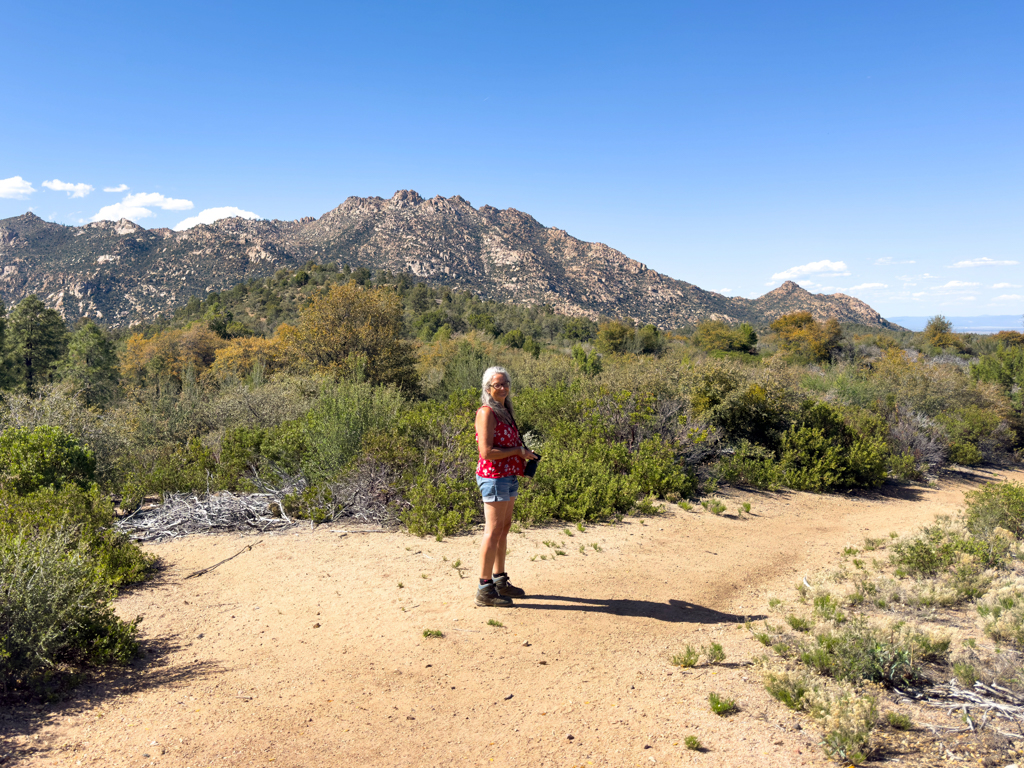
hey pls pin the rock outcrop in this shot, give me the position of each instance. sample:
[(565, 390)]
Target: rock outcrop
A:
[(121, 273)]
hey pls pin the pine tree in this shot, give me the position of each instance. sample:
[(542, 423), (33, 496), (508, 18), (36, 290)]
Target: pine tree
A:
[(91, 364), (37, 337), (5, 366)]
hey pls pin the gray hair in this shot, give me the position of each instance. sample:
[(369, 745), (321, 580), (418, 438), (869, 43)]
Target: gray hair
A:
[(503, 412)]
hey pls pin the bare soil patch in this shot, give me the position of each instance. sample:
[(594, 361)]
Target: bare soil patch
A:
[(308, 648)]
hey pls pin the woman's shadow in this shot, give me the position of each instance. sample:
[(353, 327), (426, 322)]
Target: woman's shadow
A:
[(673, 610)]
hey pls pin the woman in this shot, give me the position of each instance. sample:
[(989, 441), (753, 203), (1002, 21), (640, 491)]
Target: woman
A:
[(502, 460)]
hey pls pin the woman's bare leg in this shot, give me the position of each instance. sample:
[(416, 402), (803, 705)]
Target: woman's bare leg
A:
[(497, 521)]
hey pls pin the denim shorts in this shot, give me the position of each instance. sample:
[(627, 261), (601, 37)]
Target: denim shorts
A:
[(498, 488)]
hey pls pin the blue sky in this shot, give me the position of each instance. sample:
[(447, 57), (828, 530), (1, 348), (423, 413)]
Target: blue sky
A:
[(872, 148)]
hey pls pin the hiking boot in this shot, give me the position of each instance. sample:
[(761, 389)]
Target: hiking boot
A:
[(487, 595), (505, 589)]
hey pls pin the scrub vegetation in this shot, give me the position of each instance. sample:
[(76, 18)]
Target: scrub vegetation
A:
[(317, 376)]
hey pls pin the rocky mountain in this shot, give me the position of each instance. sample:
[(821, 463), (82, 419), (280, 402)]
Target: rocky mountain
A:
[(121, 273)]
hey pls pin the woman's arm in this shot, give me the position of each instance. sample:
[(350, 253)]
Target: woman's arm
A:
[(485, 424)]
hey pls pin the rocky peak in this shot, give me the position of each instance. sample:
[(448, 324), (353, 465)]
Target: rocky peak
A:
[(405, 198)]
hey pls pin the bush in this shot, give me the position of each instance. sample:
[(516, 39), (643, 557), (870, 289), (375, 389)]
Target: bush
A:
[(441, 508), (89, 515), (1002, 610), (342, 417), (583, 477), (826, 455), (995, 505), (860, 651), (655, 468), (55, 612), (787, 687), (942, 548), (170, 470), (847, 720), (31, 459)]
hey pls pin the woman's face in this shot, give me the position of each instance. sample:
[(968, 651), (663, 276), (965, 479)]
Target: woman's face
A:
[(499, 387)]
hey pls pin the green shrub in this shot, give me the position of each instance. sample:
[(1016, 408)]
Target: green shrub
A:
[(170, 470), (899, 721), (995, 505), (89, 515), (655, 468), (441, 508), (787, 687), (965, 454), (750, 465), (344, 414), (692, 743), (688, 658), (31, 459), (860, 651), (721, 707), (55, 612), (824, 454), (944, 549)]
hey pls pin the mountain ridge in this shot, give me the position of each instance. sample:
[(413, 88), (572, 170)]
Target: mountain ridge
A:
[(122, 273)]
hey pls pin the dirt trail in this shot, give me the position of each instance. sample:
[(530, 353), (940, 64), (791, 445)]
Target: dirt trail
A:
[(306, 651)]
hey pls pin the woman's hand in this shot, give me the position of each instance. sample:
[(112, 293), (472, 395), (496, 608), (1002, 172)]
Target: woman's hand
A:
[(527, 454)]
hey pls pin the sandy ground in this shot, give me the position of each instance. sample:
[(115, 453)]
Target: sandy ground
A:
[(309, 650)]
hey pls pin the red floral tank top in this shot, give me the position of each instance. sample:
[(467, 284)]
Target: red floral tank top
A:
[(505, 436)]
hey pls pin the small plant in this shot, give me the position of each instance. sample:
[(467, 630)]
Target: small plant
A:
[(549, 543), (568, 533), (685, 505), (401, 585), (847, 720), (714, 506), (457, 564), (516, 528), (870, 545), (799, 623), (714, 654), (532, 558), (688, 658), (580, 527), (966, 674), (543, 557), (561, 552), (721, 707), (826, 608), (745, 507), (848, 551), (433, 633), (782, 649), (789, 688), (424, 576), (595, 546), (893, 535), (763, 638), (858, 564), (692, 742), (494, 623), (899, 721), (774, 603), (583, 549)]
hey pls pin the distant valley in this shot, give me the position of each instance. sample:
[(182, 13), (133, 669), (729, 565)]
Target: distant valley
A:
[(121, 273)]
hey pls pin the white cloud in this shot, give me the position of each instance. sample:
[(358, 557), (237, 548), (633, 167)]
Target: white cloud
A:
[(211, 215), (15, 188), (138, 206), (1008, 297), (1005, 285), (838, 268), (725, 291), (958, 284), (866, 286), (919, 294), (73, 190), (118, 188), (984, 261), (909, 285), (888, 261)]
